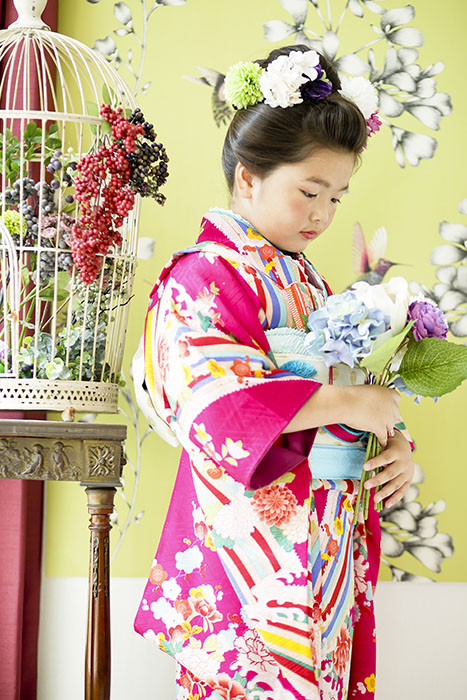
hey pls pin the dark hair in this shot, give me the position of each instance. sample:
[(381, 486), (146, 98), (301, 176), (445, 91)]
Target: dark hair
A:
[(263, 137)]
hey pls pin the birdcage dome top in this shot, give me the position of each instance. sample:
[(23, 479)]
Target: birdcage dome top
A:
[(65, 76)]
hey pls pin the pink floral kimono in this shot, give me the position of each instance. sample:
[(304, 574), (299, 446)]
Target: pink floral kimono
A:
[(262, 585)]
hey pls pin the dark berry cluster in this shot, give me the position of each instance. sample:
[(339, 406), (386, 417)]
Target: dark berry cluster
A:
[(27, 195), (56, 239), (148, 161), (108, 179)]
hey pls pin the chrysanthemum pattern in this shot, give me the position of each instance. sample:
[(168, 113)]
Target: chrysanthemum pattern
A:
[(296, 527), (275, 504), (235, 520)]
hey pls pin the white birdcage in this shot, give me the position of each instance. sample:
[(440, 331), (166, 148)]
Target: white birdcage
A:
[(61, 341)]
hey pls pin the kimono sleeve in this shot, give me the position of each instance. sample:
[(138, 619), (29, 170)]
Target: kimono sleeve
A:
[(221, 392)]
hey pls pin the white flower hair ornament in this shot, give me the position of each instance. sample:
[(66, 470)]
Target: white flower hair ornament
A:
[(290, 79), (363, 93)]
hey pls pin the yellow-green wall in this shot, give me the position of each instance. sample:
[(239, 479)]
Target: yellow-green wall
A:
[(409, 202)]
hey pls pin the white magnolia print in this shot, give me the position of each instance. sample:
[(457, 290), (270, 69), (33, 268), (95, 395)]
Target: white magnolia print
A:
[(403, 86), (450, 258), (410, 527)]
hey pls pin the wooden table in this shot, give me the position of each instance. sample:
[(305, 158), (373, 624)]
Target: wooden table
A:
[(92, 454)]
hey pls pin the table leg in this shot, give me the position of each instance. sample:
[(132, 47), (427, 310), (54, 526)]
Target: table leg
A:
[(97, 666)]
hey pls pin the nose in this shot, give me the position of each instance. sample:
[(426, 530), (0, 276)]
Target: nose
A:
[(320, 212)]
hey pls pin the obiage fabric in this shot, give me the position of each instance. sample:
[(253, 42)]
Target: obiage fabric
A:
[(262, 585)]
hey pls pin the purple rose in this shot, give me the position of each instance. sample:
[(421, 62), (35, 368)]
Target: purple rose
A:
[(429, 320)]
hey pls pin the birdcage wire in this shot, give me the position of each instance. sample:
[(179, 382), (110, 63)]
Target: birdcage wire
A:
[(61, 341)]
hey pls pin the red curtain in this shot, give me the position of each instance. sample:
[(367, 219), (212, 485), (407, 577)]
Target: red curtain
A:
[(20, 543)]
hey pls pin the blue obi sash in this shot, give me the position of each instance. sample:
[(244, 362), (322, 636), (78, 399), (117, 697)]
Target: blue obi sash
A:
[(337, 461)]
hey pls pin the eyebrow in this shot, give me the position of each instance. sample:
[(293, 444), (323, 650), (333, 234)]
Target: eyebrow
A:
[(318, 181)]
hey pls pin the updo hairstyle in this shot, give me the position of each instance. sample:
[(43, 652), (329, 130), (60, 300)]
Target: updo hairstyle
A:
[(263, 138)]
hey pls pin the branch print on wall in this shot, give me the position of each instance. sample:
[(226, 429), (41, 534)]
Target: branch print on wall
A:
[(133, 60), (125, 515)]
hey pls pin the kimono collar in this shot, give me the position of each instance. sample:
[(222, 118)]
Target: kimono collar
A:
[(230, 229), (240, 232)]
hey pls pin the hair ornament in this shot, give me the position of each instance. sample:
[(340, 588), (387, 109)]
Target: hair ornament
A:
[(241, 87), (292, 78), (286, 81), (363, 93)]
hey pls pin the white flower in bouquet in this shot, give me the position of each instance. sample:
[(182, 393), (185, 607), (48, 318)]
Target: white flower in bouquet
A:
[(392, 297)]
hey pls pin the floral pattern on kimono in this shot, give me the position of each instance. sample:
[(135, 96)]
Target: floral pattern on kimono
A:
[(262, 585)]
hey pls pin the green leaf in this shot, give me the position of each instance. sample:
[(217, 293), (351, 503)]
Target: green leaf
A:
[(281, 538), (63, 279), (47, 294), (31, 130), (220, 541), (55, 369), (168, 647), (25, 275), (434, 367), (106, 128), (377, 359), (106, 99), (93, 109)]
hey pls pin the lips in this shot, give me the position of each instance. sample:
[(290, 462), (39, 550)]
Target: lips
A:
[(309, 235)]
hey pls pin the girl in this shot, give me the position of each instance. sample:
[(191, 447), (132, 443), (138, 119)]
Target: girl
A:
[(263, 582)]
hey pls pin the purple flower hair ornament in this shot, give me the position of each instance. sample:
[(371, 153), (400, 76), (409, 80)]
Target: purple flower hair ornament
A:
[(288, 80), (293, 78)]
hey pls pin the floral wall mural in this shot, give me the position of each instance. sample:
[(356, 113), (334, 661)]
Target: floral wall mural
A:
[(174, 55)]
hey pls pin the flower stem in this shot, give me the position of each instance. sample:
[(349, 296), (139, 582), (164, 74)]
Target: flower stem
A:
[(361, 495)]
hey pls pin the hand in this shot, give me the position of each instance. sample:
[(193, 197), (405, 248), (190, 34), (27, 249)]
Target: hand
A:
[(373, 408), (397, 470)]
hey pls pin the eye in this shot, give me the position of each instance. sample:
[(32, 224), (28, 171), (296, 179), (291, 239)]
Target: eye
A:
[(308, 194), (334, 200)]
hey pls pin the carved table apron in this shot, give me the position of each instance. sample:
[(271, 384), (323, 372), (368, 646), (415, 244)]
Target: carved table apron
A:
[(92, 454)]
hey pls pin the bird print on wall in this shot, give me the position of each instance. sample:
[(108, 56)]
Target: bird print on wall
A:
[(369, 261), (221, 110)]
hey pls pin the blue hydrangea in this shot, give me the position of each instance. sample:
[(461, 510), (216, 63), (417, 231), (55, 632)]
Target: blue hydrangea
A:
[(344, 330)]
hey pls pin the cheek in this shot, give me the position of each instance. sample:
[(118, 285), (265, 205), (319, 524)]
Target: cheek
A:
[(330, 218), (300, 206)]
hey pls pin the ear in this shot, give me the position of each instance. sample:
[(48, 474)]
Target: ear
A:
[(244, 181)]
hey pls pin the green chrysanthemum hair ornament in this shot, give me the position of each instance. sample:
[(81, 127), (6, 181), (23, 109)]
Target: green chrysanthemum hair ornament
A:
[(242, 88)]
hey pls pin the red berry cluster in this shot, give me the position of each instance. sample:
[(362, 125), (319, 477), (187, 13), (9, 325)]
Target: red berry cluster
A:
[(105, 194)]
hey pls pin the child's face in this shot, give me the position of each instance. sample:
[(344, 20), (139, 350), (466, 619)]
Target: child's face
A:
[(296, 202)]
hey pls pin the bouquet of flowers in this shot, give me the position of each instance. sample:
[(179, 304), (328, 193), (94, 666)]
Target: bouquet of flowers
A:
[(399, 342)]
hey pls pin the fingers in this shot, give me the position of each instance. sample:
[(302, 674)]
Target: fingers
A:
[(397, 496), (390, 488), (395, 476), (387, 456)]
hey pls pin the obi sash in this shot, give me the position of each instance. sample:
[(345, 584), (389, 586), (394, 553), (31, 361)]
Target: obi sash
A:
[(331, 457)]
